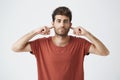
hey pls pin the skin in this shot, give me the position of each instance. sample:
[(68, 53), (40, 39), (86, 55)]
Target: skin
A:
[(61, 26)]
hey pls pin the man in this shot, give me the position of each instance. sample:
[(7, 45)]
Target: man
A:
[(60, 57)]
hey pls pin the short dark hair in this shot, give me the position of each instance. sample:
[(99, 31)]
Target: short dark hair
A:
[(62, 11)]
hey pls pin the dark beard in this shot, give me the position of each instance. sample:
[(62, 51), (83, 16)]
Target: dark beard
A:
[(59, 34)]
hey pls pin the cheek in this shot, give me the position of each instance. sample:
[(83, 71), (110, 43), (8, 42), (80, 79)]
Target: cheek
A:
[(57, 26)]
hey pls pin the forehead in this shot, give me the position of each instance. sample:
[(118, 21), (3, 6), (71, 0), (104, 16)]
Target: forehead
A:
[(62, 17)]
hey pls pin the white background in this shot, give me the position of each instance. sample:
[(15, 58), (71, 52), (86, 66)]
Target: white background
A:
[(18, 17)]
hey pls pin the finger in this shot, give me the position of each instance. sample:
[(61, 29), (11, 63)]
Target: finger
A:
[(79, 29), (74, 32), (50, 27), (47, 33), (48, 30), (79, 34), (44, 29), (42, 33)]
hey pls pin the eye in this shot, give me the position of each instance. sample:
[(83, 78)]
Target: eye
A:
[(65, 21), (58, 20)]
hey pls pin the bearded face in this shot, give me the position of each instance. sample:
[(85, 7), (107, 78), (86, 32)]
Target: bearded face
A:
[(61, 25)]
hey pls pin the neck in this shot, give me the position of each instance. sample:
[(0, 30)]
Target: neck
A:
[(60, 41)]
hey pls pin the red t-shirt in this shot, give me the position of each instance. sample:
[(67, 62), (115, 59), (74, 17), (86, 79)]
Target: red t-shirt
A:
[(60, 63)]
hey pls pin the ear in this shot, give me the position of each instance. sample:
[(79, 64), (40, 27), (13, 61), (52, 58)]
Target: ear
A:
[(52, 24), (70, 25)]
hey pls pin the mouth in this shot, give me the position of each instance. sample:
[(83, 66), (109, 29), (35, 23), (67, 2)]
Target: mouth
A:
[(62, 30)]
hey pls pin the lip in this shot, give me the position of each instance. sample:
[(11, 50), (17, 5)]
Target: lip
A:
[(62, 29)]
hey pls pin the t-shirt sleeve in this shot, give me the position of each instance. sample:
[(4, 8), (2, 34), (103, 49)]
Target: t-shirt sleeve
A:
[(87, 45), (35, 46)]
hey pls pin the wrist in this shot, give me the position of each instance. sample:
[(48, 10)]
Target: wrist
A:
[(87, 34), (34, 32)]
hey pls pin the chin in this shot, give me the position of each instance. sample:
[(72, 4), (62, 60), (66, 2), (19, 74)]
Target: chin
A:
[(61, 34)]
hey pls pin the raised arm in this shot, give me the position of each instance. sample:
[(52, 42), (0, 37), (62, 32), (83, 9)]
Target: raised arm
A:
[(97, 46), (22, 44)]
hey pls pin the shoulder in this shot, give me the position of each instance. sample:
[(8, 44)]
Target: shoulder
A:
[(41, 40), (75, 38)]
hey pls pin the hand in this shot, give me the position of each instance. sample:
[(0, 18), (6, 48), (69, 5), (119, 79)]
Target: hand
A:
[(43, 30), (80, 31)]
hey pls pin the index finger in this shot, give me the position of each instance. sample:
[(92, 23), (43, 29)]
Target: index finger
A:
[(50, 27)]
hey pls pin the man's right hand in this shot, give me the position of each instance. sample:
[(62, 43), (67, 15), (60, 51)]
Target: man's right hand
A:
[(43, 30), (22, 44)]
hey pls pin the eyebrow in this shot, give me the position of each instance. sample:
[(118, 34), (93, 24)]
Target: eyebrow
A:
[(64, 19), (58, 19)]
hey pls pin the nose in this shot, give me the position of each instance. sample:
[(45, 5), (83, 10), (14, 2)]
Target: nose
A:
[(62, 24)]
